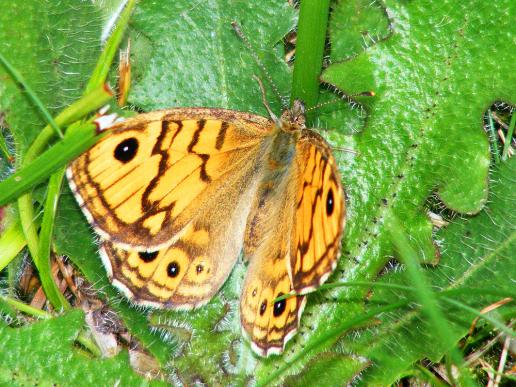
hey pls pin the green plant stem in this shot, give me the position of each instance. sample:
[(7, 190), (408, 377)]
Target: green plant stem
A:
[(50, 287), (44, 165), (35, 168), (311, 39), (430, 306), (57, 156), (21, 181), (89, 344), (105, 60), (85, 105), (31, 94), (508, 138), (434, 381), (24, 308), (82, 338)]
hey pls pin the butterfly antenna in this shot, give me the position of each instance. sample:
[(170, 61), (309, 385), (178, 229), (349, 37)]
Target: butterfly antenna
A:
[(347, 150), (273, 116), (347, 98), (260, 64)]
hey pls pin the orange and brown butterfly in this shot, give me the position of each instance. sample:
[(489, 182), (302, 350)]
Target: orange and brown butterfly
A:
[(176, 196)]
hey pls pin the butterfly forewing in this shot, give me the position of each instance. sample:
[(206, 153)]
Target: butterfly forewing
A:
[(142, 184), (267, 323), (319, 214)]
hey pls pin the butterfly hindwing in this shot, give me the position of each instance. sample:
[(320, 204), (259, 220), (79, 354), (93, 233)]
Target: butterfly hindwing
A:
[(190, 271), (267, 323)]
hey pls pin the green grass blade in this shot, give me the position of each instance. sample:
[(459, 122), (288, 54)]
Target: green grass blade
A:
[(90, 102), (485, 316), (311, 39), (477, 291), (31, 94), (27, 309), (101, 70), (37, 171), (3, 147), (493, 137), (426, 297), (42, 261), (438, 293), (58, 156)]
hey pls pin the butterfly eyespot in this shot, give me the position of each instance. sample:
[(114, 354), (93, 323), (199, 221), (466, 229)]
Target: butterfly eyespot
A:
[(255, 291), (147, 256), (279, 307), (199, 269), (329, 203), (126, 150), (263, 306), (173, 269)]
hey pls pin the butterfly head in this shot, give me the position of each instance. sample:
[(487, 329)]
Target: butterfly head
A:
[(293, 119)]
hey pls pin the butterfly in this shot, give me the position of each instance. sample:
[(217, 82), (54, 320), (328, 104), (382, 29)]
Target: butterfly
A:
[(176, 195)]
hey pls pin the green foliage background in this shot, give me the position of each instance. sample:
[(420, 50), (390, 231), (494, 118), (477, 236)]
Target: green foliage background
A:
[(435, 67)]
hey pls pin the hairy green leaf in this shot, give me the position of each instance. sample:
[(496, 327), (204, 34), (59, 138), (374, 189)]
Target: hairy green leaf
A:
[(478, 253), (54, 46), (194, 58), (42, 354), (328, 368)]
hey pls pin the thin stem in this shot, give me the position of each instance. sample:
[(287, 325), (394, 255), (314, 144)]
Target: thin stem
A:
[(85, 105), (310, 44), (107, 56), (486, 317), (89, 344), (18, 183), (3, 147), (24, 308), (12, 241), (51, 289)]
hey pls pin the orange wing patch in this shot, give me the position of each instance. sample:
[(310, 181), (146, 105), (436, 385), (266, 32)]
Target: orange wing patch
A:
[(319, 214), (141, 185), (268, 324)]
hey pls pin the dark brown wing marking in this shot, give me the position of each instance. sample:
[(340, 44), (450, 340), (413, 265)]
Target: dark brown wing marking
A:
[(320, 214), (141, 203)]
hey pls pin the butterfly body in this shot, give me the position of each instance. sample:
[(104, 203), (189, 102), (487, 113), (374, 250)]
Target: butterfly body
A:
[(176, 195)]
